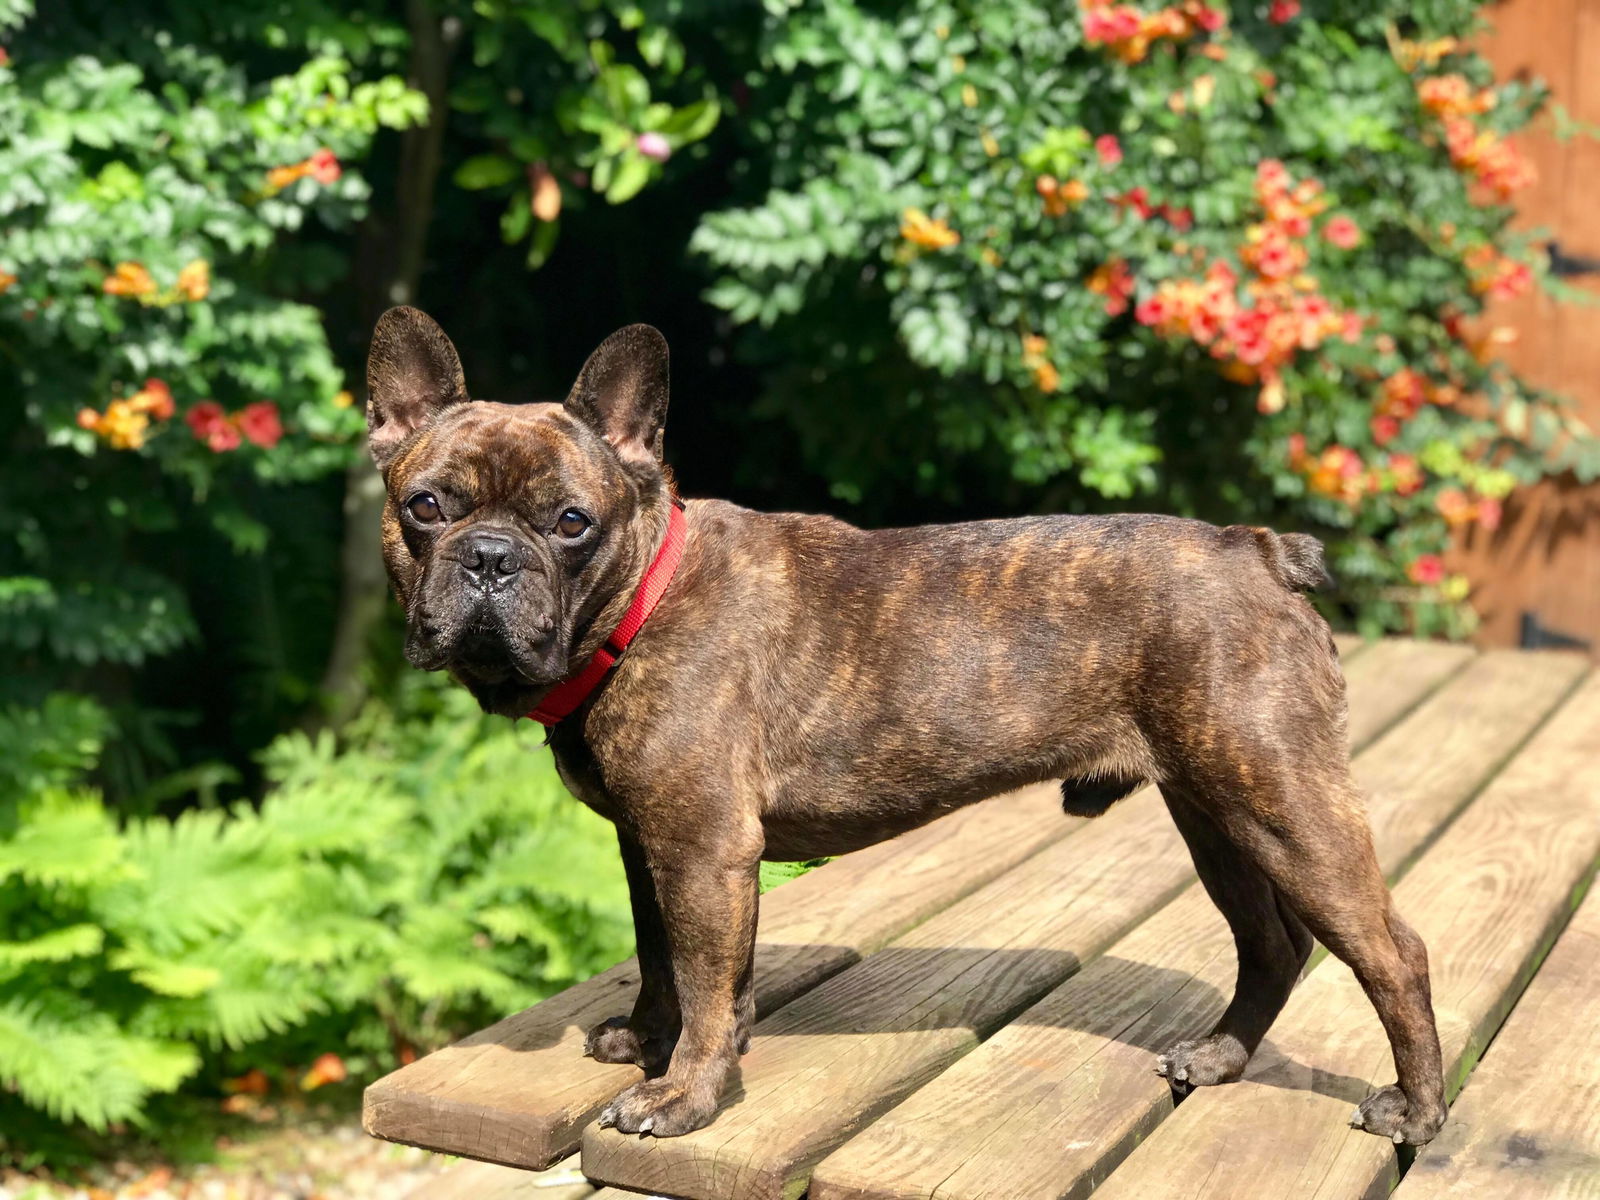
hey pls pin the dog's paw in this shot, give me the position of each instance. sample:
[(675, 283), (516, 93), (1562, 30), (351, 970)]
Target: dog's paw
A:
[(1200, 1062), (1388, 1114), (615, 1041), (659, 1107)]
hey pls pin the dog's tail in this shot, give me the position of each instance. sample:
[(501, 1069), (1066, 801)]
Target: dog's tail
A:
[(1295, 558)]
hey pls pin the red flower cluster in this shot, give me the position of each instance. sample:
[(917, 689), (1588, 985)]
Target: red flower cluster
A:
[(1448, 96), (1035, 356), (257, 423), (329, 1068), (1128, 33), (1405, 475), (1457, 509), (1288, 205), (1497, 275), (1402, 397), (1114, 281), (1492, 162), (1138, 199), (1426, 570), (1283, 11), (1338, 472), (1058, 198), (1342, 232), (1272, 253), (323, 166), (1109, 150), (1282, 312), (125, 424)]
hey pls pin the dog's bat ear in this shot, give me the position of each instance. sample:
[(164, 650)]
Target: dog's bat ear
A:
[(413, 373), (621, 393)]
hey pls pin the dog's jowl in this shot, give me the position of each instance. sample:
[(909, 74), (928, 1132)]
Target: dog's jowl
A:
[(727, 685)]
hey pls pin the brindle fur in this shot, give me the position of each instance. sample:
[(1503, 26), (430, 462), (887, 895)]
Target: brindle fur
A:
[(806, 688)]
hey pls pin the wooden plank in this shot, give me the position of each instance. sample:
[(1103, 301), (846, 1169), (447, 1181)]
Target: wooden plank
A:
[(1489, 898), (1081, 1059), (1527, 1126), (1393, 677), (489, 1181), (832, 1060), (520, 1091)]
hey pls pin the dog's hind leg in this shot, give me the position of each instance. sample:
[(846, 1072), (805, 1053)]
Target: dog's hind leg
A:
[(1272, 944), (1304, 826)]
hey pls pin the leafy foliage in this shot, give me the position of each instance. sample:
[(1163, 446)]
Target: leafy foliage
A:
[(968, 257), (431, 876), (989, 220), (167, 371)]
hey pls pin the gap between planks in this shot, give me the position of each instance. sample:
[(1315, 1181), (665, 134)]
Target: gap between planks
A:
[(520, 1091), (829, 1062), (1081, 1059), (1489, 897)]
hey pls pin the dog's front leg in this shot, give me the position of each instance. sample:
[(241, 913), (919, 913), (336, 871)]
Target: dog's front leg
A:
[(645, 1037), (706, 886)]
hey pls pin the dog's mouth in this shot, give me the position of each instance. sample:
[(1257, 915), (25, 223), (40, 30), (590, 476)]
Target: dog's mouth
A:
[(506, 671), (483, 656)]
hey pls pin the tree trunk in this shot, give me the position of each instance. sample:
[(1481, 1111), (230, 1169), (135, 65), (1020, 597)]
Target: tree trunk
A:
[(390, 268)]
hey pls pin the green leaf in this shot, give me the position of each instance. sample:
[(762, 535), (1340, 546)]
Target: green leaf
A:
[(632, 173), (71, 941), (168, 978), (486, 171), (692, 122), (63, 837)]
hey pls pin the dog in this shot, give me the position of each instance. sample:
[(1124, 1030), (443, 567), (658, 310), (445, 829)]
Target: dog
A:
[(727, 686)]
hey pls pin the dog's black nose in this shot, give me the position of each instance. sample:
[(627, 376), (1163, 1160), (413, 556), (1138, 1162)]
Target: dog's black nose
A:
[(490, 557)]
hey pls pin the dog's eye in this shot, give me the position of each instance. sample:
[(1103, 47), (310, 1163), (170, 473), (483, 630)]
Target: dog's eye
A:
[(424, 508), (572, 524)]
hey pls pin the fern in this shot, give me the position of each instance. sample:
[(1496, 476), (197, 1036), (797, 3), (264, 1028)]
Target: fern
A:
[(63, 838), (85, 1068), (197, 875), (424, 879), (51, 744), (70, 941)]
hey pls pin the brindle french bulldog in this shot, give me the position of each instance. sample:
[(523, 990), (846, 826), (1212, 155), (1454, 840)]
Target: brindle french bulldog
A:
[(806, 688)]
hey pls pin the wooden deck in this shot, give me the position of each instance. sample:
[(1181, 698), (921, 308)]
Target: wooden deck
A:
[(974, 1009)]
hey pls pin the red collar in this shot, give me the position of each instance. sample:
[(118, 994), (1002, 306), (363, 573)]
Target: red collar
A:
[(563, 699)]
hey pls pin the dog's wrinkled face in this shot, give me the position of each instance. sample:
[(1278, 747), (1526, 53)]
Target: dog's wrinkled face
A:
[(509, 528)]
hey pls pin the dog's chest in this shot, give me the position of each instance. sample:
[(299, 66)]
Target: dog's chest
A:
[(581, 775)]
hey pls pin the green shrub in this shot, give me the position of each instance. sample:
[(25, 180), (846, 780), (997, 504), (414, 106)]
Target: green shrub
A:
[(1219, 258), (425, 880), (171, 381)]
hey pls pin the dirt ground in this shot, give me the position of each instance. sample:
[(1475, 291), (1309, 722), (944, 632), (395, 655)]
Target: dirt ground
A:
[(306, 1161)]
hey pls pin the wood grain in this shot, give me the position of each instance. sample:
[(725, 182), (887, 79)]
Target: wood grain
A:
[(1545, 555), (1349, 644), (519, 1092), (1392, 677), (1527, 1125), (488, 1181), (1049, 1105), (831, 1061), (1489, 897)]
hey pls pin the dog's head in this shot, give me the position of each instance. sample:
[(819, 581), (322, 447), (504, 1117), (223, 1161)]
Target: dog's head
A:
[(514, 534)]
